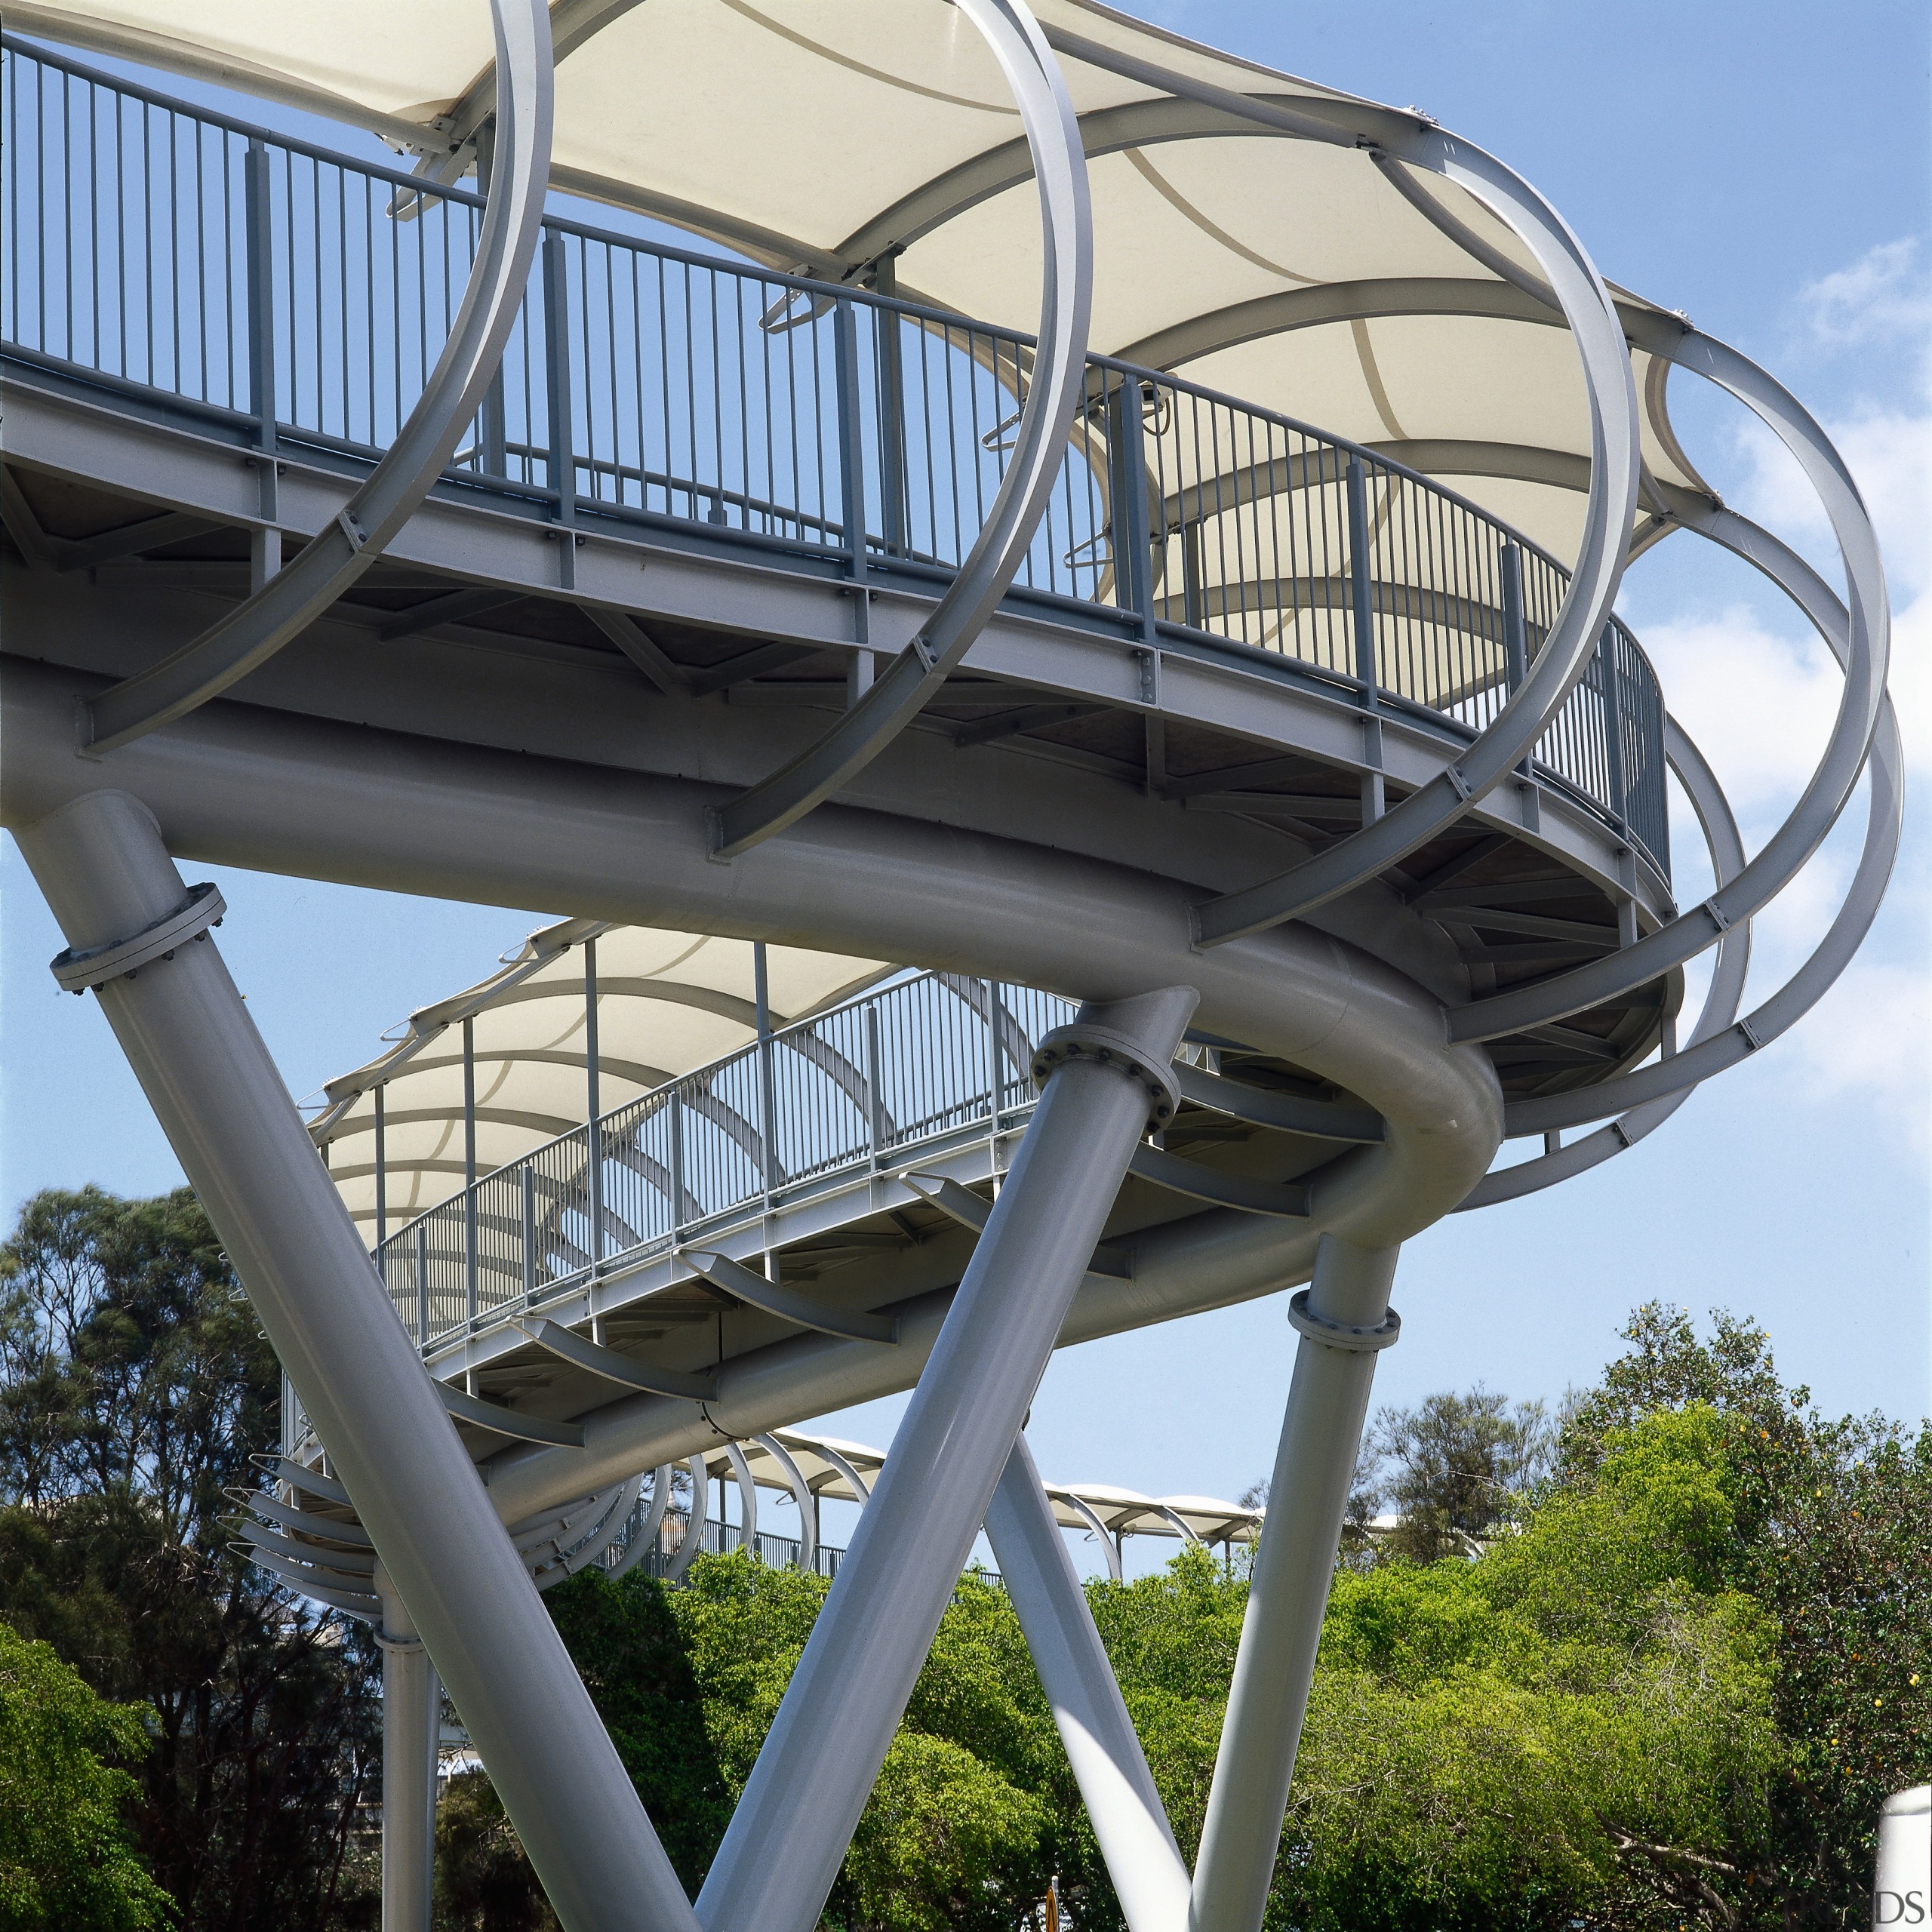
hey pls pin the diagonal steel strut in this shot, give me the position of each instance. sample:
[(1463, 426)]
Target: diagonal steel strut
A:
[(1105, 1077), (1137, 1842), (101, 863)]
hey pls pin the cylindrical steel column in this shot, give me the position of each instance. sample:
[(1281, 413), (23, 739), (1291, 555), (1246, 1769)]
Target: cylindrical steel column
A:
[(790, 1832), (1345, 1319), (217, 1094), (1109, 1765), (410, 1725)]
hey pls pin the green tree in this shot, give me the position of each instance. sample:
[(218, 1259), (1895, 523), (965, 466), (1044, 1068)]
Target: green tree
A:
[(1452, 1468), (66, 1856), (134, 1386), (484, 1881), (1826, 1533)]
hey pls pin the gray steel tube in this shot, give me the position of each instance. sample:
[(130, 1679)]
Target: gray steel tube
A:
[(1150, 1880), (1275, 1666), (101, 863), (242, 785), (410, 1726), (802, 1804)]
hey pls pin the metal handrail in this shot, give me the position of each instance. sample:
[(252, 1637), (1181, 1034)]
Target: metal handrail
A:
[(649, 385), (897, 1074)]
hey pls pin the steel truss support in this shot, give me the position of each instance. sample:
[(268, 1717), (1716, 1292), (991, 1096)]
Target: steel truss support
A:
[(101, 863), (1345, 1319), (411, 1727), (1105, 1078), (1150, 1880)]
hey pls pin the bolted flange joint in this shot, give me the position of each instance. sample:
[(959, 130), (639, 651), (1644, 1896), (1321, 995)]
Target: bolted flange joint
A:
[(95, 965), (1083, 1041), (1342, 1334)]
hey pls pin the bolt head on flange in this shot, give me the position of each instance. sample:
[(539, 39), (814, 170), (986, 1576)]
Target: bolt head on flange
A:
[(1081, 1040)]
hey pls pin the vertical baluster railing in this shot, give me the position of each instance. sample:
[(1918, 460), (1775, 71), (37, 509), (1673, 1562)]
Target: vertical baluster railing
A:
[(1515, 637), (1133, 548), (469, 1166), (258, 213), (593, 1131), (422, 1283), (1361, 600), (560, 457), (528, 1192), (851, 456)]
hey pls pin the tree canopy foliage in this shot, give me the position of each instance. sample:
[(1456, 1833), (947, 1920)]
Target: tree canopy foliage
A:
[(1659, 1694), (66, 1856), (1654, 1666), (134, 1386)]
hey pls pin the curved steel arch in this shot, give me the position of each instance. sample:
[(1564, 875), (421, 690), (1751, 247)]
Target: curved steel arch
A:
[(1611, 392), (1866, 638), (293, 599), (645, 1538), (1737, 1040), (1720, 1009), (1052, 138), (801, 1494)]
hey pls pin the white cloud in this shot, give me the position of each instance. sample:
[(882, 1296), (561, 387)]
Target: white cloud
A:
[(1870, 1039), (1884, 296), (1758, 704)]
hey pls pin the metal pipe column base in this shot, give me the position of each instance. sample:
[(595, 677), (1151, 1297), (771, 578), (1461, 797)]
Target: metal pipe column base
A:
[(1345, 1321), (411, 1729)]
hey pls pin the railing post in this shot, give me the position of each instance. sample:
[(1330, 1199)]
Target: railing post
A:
[(767, 1099), (382, 1177), (562, 477), (891, 408), (492, 457), (469, 1166), (1361, 597), (593, 1132), (676, 1110), (1190, 571), (1610, 689), (1516, 661), (874, 1073), (992, 1053), (1133, 575), (422, 1285), (529, 1232), (851, 459), (258, 210)]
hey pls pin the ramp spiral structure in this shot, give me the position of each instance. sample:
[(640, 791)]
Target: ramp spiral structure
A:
[(1091, 782)]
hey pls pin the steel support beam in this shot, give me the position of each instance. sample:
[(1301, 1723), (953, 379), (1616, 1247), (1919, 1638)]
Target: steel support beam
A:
[(218, 1093), (1149, 1878), (411, 1725), (1344, 1318), (789, 1834)]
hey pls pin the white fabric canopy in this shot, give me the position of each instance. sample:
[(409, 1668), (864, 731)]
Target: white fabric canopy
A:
[(667, 1002), (1120, 1511), (833, 135)]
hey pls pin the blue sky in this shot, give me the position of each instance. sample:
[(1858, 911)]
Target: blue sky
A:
[(1765, 168)]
